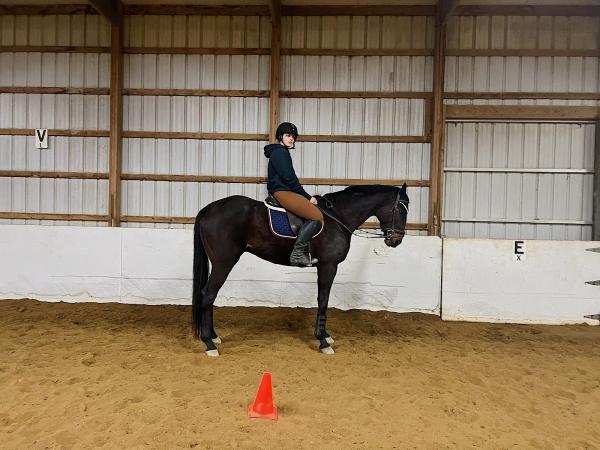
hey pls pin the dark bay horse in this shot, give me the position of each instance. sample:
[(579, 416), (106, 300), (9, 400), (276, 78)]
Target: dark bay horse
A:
[(227, 228)]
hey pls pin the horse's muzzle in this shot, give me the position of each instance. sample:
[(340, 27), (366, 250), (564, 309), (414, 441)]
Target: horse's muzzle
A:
[(394, 239)]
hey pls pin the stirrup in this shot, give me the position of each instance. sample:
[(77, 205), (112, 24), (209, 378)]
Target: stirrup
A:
[(303, 261)]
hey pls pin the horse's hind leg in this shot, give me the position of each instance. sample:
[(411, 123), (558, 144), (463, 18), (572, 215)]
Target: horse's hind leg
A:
[(220, 272), (326, 274)]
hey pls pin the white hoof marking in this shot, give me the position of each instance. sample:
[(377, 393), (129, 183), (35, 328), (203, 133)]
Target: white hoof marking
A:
[(217, 340), (329, 340), (327, 351), (212, 352)]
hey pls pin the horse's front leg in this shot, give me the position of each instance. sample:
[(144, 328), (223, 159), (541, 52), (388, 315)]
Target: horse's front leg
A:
[(326, 273)]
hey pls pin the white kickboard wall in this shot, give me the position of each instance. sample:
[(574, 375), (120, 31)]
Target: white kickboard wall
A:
[(484, 281), (474, 280), (153, 266)]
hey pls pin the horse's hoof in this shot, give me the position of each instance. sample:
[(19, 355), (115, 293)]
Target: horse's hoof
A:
[(212, 352), (217, 340), (327, 350), (329, 340)]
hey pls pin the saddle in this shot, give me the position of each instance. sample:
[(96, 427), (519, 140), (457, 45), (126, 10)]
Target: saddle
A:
[(283, 223)]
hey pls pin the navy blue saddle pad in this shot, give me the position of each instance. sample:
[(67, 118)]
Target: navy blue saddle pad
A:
[(282, 222)]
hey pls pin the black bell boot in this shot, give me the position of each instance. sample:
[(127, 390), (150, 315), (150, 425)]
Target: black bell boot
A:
[(299, 256)]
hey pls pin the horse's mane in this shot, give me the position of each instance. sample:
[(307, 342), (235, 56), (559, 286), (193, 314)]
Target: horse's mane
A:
[(366, 189), (370, 188)]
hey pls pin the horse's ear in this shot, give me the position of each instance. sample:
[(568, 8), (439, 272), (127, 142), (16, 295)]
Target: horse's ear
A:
[(404, 187)]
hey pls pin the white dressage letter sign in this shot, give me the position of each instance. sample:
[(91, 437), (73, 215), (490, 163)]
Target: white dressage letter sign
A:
[(519, 251), (41, 138)]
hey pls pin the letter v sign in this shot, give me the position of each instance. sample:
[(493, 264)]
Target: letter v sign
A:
[(41, 138)]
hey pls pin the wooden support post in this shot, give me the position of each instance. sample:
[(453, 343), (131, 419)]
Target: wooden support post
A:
[(596, 205), (109, 9), (446, 9), (275, 7), (437, 136), (116, 116)]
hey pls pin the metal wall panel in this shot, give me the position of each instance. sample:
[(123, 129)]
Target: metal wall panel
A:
[(90, 112), (499, 197), (360, 116), (251, 115), (341, 73), (526, 74), (204, 114), (54, 195), (521, 196)]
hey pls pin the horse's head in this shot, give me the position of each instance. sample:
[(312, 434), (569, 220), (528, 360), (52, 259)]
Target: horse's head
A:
[(392, 217)]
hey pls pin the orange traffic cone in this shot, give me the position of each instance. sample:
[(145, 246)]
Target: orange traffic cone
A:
[(263, 407)]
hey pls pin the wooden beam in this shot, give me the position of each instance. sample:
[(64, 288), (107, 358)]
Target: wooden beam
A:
[(596, 195), (44, 10), (313, 10), (357, 51), (528, 10), (262, 137), (197, 51), (359, 10), (116, 116), (532, 52), (217, 136), (110, 9), (428, 120), (523, 95), (205, 178), (304, 94), (264, 10), (438, 126), (48, 174), (522, 112), (499, 52), (52, 49), (52, 216), (363, 138), (197, 92), (263, 180), (355, 94), (289, 94), (52, 90), (195, 135), (52, 132), (190, 220), (200, 10), (275, 10)]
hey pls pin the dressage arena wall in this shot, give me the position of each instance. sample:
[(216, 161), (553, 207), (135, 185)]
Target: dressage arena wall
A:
[(476, 280), (154, 266), (351, 77)]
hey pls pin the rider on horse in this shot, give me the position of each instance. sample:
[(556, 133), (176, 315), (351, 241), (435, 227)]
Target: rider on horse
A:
[(283, 184)]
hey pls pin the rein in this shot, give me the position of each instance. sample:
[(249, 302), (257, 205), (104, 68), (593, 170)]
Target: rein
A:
[(387, 233)]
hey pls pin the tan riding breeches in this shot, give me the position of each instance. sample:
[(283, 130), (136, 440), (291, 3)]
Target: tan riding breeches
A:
[(298, 205)]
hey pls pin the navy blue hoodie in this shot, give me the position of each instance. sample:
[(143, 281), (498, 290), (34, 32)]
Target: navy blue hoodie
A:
[(282, 176)]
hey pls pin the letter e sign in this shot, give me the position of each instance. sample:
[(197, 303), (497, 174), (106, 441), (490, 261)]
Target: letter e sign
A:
[(41, 138), (519, 251)]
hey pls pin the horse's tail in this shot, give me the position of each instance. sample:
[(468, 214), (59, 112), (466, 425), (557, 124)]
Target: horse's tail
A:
[(200, 278)]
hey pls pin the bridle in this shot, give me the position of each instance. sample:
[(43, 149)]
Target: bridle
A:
[(387, 233)]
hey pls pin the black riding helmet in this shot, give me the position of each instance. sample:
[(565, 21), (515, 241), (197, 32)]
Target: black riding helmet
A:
[(286, 127)]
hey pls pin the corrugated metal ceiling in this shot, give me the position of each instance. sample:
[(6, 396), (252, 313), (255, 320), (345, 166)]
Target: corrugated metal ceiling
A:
[(312, 2)]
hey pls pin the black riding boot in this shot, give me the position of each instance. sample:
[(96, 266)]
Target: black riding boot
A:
[(299, 256)]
